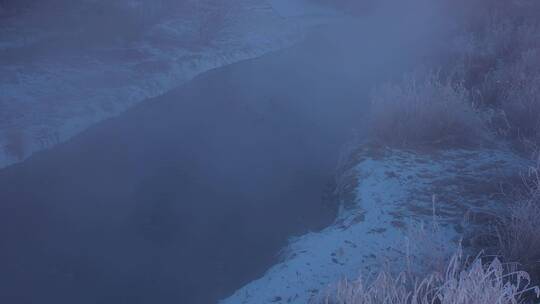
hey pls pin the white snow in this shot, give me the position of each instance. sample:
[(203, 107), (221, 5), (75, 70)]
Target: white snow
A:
[(44, 102), (394, 191)]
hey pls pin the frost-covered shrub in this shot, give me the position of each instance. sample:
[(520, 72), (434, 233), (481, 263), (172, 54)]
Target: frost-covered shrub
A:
[(424, 111), (474, 55), (385, 289), (503, 38), (507, 76), (519, 236), (521, 110), (427, 248), (462, 283), (495, 54), (490, 34), (514, 90), (481, 283), (518, 231)]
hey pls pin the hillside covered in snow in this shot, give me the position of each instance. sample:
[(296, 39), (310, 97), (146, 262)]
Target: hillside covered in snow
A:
[(57, 81)]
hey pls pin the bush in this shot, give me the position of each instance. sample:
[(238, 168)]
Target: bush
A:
[(498, 60), (462, 283), (518, 232), (517, 87), (492, 33), (424, 112), (482, 284)]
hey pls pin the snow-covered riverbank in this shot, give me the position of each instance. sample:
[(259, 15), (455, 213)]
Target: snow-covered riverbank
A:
[(394, 190), (46, 101)]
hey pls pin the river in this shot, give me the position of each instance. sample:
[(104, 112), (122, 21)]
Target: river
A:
[(188, 196)]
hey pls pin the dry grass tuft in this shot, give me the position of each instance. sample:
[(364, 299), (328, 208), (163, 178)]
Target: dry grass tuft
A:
[(462, 283), (497, 57), (425, 111), (519, 90), (518, 232)]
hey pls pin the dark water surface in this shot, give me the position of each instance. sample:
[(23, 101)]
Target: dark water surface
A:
[(189, 195)]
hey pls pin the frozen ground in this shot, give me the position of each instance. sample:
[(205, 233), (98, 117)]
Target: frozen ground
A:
[(396, 194), (44, 101)]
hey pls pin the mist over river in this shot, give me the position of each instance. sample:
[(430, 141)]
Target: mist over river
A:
[(186, 197)]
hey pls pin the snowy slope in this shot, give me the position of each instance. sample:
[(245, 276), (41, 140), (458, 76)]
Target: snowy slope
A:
[(299, 8), (45, 101), (394, 190)]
